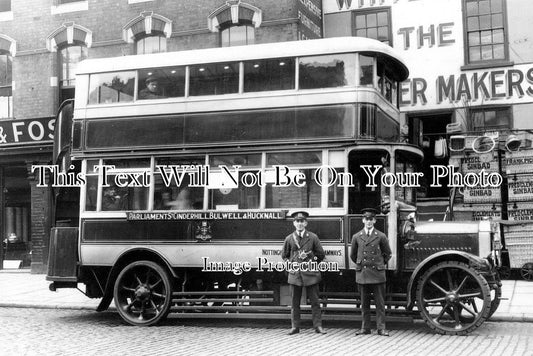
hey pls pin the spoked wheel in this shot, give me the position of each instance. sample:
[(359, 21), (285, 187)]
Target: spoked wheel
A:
[(527, 271), (143, 293), (453, 298), (505, 272)]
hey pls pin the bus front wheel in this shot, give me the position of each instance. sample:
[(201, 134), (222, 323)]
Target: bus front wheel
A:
[(143, 293)]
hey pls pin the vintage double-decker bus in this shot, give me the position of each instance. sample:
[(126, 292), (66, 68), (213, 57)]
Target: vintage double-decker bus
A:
[(189, 164)]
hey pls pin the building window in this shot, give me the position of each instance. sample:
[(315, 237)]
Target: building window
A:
[(6, 93), (373, 24), (491, 119), (485, 30), (151, 44), (148, 32), (239, 35), (236, 21), (69, 57)]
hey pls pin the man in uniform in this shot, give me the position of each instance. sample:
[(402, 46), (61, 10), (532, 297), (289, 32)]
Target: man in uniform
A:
[(303, 246), (370, 253)]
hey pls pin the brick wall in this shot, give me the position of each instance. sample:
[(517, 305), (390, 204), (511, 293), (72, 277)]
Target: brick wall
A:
[(33, 22), (40, 224)]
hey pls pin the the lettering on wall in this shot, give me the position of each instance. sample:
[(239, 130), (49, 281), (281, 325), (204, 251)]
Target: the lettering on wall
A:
[(351, 4), (487, 85), (28, 131), (434, 34)]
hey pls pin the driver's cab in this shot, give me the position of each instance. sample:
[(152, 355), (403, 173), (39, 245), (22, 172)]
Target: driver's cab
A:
[(384, 178)]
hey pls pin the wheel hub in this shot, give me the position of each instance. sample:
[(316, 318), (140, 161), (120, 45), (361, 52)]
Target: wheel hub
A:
[(452, 297), (142, 293)]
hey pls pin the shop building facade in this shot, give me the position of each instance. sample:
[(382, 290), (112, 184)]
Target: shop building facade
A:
[(41, 43), (471, 75)]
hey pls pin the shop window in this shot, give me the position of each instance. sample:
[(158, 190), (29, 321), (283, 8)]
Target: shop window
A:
[(491, 119), (151, 44), (69, 57), (239, 35), (485, 31), (374, 24), (6, 92)]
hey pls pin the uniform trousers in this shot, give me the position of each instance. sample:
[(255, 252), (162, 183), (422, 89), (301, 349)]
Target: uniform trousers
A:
[(312, 294), (378, 289)]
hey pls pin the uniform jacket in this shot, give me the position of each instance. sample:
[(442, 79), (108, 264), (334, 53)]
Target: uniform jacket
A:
[(370, 254), (310, 244)]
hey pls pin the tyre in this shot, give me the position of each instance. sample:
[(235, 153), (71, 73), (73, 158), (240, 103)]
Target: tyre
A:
[(143, 293), (453, 298), (527, 271), (495, 295)]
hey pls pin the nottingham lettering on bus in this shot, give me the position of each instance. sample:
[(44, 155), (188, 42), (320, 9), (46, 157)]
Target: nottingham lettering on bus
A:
[(207, 215)]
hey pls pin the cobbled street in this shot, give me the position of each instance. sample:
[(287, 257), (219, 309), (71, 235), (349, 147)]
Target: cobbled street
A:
[(29, 331)]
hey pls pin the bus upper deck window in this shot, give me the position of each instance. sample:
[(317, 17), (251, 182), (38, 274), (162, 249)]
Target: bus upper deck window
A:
[(366, 68), (160, 83), (269, 74), (336, 70), (214, 79), (106, 88)]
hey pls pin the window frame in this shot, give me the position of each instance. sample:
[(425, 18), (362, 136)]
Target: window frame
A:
[(229, 26), (69, 70), (483, 110), (8, 86), (144, 36), (490, 62), (374, 10)]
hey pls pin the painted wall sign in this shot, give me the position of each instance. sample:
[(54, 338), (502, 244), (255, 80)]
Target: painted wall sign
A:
[(28, 131), (482, 195), (477, 212), (310, 15), (474, 163), (479, 87), (520, 211), (518, 162), (520, 187)]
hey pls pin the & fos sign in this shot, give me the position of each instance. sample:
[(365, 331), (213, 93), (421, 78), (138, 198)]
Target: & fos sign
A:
[(27, 131)]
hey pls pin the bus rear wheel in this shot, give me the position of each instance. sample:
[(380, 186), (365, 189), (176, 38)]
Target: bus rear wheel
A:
[(453, 298), (143, 293)]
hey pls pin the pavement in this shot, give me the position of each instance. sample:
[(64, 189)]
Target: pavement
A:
[(20, 288)]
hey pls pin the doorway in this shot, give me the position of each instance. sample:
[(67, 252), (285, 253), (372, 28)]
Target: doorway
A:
[(425, 130)]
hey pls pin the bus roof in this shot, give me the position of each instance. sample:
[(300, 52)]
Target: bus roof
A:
[(249, 52)]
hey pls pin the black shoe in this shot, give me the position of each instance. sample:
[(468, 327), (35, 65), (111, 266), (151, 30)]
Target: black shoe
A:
[(294, 331), (383, 332), (362, 332), (320, 330)]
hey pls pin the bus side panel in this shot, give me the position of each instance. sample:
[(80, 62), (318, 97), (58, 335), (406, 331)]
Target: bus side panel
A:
[(63, 256), (265, 256)]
